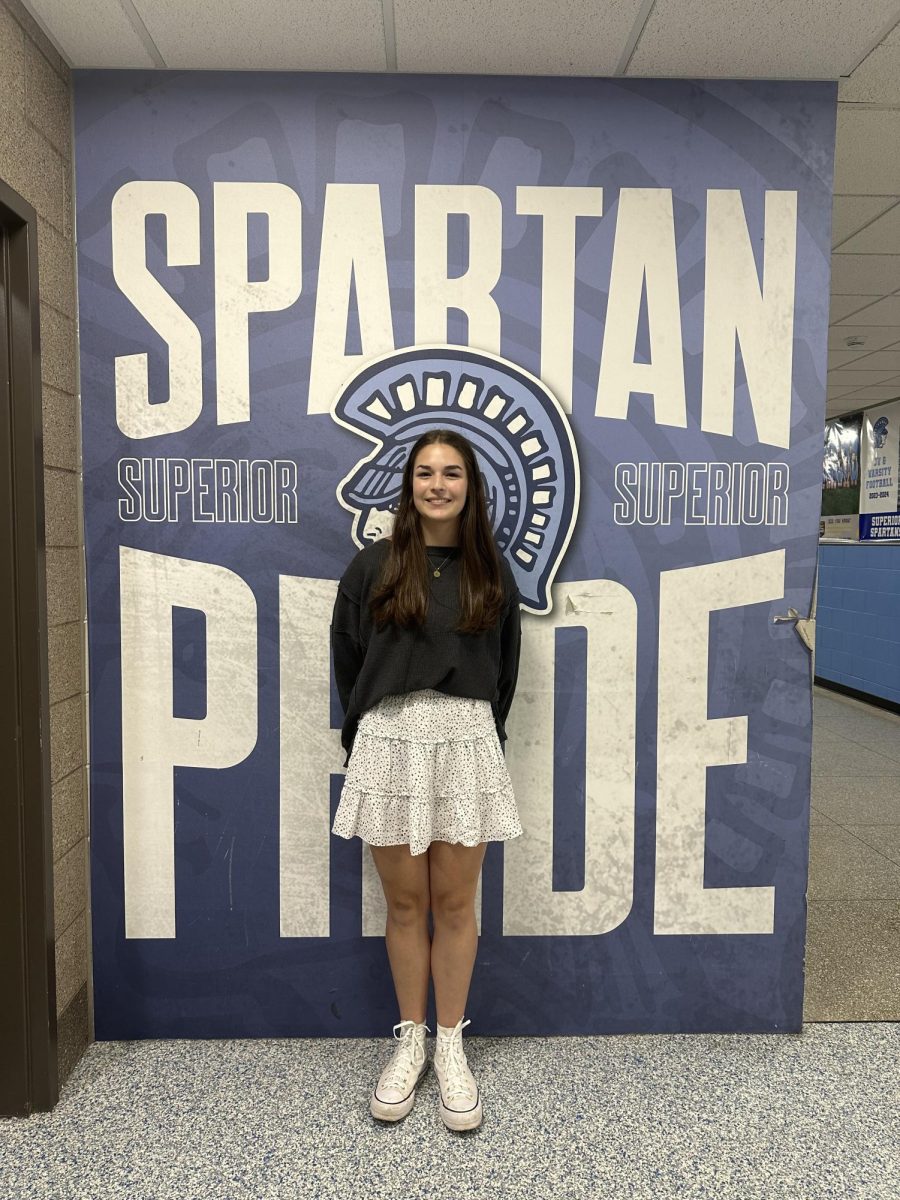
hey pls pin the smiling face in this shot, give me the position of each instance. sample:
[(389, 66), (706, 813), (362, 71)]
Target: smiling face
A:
[(439, 492)]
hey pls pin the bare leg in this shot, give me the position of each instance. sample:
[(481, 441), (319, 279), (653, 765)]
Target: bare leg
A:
[(454, 872), (404, 880)]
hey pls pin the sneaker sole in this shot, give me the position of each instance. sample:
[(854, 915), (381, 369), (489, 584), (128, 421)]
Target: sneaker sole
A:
[(459, 1121), (385, 1111)]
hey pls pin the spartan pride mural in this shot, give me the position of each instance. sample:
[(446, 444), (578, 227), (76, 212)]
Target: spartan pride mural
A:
[(618, 291)]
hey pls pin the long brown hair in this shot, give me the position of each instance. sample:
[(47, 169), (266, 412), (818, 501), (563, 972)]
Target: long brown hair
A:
[(402, 592)]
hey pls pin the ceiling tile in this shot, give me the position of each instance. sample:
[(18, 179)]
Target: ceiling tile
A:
[(280, 35), (877, 78), (881, 360), (842, 358), (856, 274), (850, 213), (875, 395), (882, 236), (843, 307), (98, 34), (744, 39), (573, 37), (867, 153), (877, 337), (839, 408), (855, 377), (880, 312)]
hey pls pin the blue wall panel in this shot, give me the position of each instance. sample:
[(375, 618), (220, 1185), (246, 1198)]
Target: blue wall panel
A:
[(858, 618)]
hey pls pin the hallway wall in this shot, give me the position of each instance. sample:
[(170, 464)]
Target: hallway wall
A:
[(36, 160), (858, 639)]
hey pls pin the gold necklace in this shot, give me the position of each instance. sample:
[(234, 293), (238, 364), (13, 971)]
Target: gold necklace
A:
[(437, 569)]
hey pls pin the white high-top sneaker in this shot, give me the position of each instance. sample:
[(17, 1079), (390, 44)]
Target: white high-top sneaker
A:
[(395, 1092), (460, 1101)]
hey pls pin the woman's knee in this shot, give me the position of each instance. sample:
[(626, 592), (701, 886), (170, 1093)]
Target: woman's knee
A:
[(453, 882), (405, 883), (453, 910), (407, 908)]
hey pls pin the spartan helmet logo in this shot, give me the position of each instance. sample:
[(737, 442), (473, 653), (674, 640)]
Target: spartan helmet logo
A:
[(520, 435), (879, 432)]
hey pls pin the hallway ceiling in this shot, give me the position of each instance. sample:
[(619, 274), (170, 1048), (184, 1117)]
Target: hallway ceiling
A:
[(857, 43)]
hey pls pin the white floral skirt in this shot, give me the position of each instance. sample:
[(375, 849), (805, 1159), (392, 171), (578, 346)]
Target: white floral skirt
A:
[(427, 767)]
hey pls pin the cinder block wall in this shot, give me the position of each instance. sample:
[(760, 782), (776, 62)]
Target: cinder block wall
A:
[(857, 632), (36, 161)]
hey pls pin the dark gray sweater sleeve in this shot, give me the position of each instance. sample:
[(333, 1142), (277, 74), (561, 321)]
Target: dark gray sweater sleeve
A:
[(510, 649), (346, 648)]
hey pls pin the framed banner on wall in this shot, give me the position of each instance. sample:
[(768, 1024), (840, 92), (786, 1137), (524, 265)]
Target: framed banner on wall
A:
[(879, 499), (618, 289), (841, 478)]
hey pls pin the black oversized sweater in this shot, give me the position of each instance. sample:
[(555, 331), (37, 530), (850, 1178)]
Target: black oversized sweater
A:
[(370, 663)]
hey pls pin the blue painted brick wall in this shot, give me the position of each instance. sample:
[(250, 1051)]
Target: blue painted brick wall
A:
[(858, 618)]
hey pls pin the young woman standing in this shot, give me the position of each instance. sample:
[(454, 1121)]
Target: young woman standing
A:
[(426, 638)]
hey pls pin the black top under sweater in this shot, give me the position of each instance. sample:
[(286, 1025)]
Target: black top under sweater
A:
[(370, 663)]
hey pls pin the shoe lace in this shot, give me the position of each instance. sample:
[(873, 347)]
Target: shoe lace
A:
[(454, 1065), (405, 1056)]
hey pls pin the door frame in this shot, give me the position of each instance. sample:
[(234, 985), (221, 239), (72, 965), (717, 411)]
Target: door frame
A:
[(29, 1078)]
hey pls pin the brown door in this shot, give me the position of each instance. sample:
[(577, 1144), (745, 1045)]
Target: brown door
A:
[(28, 1069)]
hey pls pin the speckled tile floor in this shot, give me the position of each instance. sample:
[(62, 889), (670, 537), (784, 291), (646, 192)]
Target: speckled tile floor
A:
[(719, 1116), (754, 1117), (853, 919)]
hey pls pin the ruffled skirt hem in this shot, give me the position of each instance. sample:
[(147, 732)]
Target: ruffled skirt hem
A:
[(427, 767), (381, 820)]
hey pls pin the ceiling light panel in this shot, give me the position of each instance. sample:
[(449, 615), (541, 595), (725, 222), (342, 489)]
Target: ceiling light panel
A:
[(281, 35), (758, 39), (572, 37)]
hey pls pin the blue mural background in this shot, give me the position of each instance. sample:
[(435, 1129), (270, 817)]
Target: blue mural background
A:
[(228, 973)]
